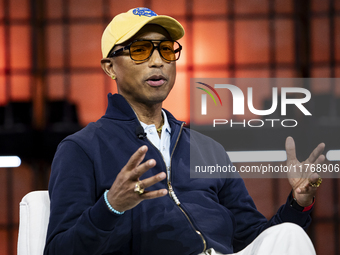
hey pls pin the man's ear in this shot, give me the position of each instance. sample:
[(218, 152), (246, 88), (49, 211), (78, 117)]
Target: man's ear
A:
[(107, 66)]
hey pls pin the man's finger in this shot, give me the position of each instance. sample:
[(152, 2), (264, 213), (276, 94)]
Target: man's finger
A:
[(141, 169), (313, 178), (154, 194), (320, 159), (146, 183), (290, 149), (136, 158), (316, 153)]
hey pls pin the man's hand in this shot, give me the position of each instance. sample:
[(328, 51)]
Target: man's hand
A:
[(121, 195), (299, 180)]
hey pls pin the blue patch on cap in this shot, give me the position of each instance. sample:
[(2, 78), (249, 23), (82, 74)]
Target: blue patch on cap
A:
[(144, 12)]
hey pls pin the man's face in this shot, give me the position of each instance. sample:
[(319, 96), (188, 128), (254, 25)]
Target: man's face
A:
[(147, 82)]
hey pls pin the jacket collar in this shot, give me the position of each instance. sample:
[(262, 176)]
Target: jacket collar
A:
[(119, 109)]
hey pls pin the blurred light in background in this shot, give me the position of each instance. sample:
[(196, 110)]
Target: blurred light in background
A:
[(333, 155), (10, 161), (257, 156)]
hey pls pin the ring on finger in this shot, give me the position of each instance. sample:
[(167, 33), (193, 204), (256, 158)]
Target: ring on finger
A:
[(316, 184), (138, 189)]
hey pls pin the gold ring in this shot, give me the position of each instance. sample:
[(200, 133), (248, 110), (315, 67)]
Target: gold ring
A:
[(138, 189), (316, 184)]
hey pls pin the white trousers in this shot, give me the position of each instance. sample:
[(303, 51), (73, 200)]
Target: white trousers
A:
[(281, 239)]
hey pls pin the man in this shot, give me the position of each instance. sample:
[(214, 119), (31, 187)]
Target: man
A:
[(122, 184)]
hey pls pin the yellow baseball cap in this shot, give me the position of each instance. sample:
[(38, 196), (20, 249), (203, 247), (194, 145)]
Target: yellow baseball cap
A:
[(127, 24)]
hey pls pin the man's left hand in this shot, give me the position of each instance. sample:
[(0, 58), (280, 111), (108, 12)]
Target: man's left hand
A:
[(300, 179)]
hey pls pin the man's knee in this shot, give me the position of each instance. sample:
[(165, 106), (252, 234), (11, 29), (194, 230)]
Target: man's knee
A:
[(284, 231), (291, 228)]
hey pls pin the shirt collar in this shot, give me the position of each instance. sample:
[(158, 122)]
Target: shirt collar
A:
[(166, 124)]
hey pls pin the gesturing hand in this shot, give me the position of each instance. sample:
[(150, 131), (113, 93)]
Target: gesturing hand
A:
[(121, 195), (301, 178)]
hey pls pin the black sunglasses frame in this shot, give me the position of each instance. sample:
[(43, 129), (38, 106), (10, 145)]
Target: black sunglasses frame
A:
[(127, 47)]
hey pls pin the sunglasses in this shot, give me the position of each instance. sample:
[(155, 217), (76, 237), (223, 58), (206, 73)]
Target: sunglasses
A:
[(141, 50)]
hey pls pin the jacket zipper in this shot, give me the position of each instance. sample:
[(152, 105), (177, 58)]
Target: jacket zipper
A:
[(178, 203), (172, 192)]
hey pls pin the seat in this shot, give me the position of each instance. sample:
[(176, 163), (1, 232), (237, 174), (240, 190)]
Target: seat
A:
[(34, 218)]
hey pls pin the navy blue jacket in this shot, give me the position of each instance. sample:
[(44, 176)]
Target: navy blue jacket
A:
[(213, 213)]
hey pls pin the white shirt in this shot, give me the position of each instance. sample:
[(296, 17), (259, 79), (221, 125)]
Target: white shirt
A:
[(161, 143)]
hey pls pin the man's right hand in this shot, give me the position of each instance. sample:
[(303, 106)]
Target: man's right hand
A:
[(121, 195)]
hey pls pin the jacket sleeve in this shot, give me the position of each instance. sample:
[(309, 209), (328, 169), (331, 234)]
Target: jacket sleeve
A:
[(80, 222), (249, 221)]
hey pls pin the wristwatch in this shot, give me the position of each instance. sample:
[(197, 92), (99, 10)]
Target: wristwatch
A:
[(295, 205)]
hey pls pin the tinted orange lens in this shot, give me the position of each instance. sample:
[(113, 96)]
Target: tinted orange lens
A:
[(167, 50), (141, 50)]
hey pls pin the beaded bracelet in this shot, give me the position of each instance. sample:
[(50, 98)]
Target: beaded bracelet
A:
[(109, 206)]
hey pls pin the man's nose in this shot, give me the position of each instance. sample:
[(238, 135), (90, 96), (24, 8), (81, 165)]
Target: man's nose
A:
[(156, 59)]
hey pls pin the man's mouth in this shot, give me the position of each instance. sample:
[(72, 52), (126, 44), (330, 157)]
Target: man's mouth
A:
[(156, 80)]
